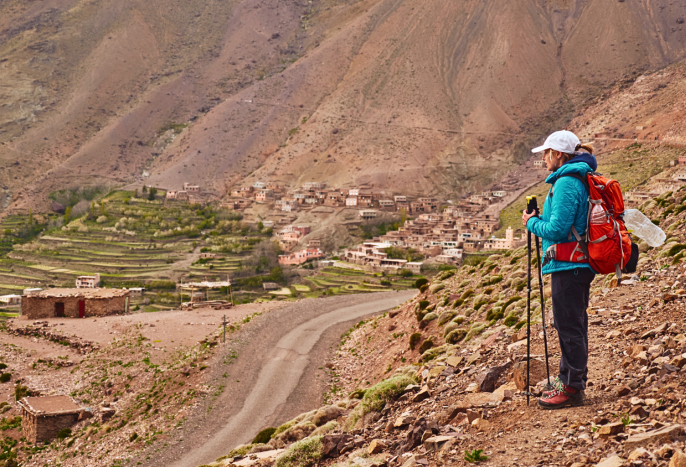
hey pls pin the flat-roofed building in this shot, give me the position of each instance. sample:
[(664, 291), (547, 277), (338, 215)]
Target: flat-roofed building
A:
[(88, 282), (367, 213), (75, 303), (300, 257), (10, 299), (44, 417)]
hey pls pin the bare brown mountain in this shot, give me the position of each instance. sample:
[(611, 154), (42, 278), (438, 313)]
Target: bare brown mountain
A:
[(419, 97)]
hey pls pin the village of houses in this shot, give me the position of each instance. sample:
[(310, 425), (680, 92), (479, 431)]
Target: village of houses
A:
[(440, 232)]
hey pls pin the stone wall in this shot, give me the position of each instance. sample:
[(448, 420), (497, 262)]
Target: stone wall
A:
[(40, 428), (38, 307)]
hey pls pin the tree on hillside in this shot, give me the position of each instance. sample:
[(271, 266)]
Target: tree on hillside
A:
[(151, 193), (67, 215)]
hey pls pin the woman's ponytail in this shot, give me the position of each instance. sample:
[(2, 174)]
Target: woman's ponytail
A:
[(588, 147)]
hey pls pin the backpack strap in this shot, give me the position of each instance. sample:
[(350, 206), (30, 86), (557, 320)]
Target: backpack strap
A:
[(583, 180)]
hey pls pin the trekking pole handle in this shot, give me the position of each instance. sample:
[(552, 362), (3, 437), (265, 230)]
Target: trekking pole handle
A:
[(531, 204)]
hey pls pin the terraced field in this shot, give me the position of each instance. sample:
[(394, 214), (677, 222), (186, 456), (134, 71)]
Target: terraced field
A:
[(342, 281), (131, 242)]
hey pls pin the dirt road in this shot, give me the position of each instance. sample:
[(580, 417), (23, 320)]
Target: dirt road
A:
[(276, 375)]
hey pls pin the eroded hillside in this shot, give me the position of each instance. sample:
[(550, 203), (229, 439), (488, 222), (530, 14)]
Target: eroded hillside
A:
[(434, 97)]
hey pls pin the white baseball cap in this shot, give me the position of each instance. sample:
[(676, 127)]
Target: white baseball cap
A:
[(563, 141)]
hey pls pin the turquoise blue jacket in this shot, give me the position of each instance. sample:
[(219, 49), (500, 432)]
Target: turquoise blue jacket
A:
[(565, 205)]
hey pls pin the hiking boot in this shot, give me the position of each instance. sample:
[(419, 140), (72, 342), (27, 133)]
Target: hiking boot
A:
[(565, 396), (552, 386)]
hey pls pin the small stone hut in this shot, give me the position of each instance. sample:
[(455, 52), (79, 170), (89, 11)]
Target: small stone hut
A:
[(75, 303), (44, 417)]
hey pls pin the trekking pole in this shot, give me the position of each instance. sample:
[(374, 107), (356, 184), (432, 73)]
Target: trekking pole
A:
[(540, 286), (530, 204)]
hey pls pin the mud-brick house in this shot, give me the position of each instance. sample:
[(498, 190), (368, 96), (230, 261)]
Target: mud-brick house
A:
[(75, 303), (44, 417)]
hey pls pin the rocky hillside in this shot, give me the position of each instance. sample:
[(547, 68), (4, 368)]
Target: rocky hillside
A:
[(99, 92), (439, 380)]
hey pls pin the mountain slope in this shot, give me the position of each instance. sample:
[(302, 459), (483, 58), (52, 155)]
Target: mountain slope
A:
[(434, 98)]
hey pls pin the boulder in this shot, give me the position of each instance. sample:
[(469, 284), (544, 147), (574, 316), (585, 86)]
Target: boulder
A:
[(656, 331), (488, 379), (642, 358), (454, 361), (666, 369), (678, 361), (481, 399), (613, 461), (612, 429), (403, 420), (481, 424), (623, 390), (663, 435), (422, 395), (490, 340), (435, 443), (638, 453), (537, 373), (678, 459), (334, 444), (446, 415), (376, 446)]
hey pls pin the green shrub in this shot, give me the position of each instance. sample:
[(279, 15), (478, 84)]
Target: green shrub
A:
[(434, 352), (420, 314), (510, 301), (5, 377), (675, 249), (476, 329), (21, 391), (64, 433), (420, 282), (480, 304), (455, 336), (433, 288), (458, 303), (3, 366), (414, 340), (357, 394), (494, 313), (405, 273), (423, 288), (426, 345), (511, 319), (445, 317), (450, 327), (423, 304), (161, 284), (446, 274), (430, 317), (467, 294), (264, 436), (283, 428), (376, 397)]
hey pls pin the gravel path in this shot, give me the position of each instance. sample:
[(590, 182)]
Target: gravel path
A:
[(276, 375)]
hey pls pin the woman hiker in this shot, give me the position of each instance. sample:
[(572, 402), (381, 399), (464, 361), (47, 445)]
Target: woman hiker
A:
[(565, 206)]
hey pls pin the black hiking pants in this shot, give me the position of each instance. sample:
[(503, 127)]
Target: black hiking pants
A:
[(570, 290)]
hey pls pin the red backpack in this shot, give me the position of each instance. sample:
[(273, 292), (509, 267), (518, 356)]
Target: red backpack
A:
[(606, 246)]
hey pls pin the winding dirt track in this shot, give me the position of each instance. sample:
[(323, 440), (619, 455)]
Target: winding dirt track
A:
[(277, 375)]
